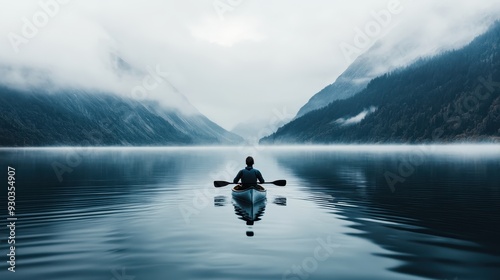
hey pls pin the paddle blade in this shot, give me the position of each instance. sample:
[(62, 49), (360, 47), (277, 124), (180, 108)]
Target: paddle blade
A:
[(219, 184), (280, 183)]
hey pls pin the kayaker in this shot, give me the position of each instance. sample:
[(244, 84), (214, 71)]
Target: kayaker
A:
[(249, 175)]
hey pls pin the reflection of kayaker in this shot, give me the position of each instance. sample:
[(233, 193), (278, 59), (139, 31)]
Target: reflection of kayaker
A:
[(248, 175), (249, 212), (249, 204)]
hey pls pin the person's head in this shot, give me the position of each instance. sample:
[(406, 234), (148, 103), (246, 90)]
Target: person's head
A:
[(249, 161)]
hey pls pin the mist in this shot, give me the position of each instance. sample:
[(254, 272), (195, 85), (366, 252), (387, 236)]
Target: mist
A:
[(219, 59)]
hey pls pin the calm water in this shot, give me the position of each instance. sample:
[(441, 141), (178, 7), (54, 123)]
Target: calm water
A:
[(154, 214)]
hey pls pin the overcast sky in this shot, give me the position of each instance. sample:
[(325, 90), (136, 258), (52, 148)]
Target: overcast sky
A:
[(230, 58)]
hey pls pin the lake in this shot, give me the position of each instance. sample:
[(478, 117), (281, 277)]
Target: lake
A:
[(347, 212)]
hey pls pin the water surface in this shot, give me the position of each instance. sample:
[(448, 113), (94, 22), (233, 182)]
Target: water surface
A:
[(153, 213)]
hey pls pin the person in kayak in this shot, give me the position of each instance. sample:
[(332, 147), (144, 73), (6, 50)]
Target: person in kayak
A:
[(248, 175)]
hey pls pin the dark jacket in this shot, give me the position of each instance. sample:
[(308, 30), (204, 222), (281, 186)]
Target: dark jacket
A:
[(249, 177)]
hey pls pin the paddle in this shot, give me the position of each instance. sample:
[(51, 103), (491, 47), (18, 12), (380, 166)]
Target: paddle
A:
[(219, 184)]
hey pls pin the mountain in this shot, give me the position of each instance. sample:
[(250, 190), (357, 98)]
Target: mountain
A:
[(453, 96), (399, 48), (80, 118), (381, 58), (352, 81)]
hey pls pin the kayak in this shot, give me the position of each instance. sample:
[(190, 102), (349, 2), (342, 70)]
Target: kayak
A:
[(252, 194)]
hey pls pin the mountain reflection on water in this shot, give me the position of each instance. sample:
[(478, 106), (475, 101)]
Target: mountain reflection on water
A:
[(153, 213), (439, 221)]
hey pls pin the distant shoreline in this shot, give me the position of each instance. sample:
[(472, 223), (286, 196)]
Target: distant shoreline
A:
[(358, 147)]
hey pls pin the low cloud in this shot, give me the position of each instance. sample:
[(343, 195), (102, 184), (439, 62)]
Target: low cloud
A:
[(356, 119), (260, 56)]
